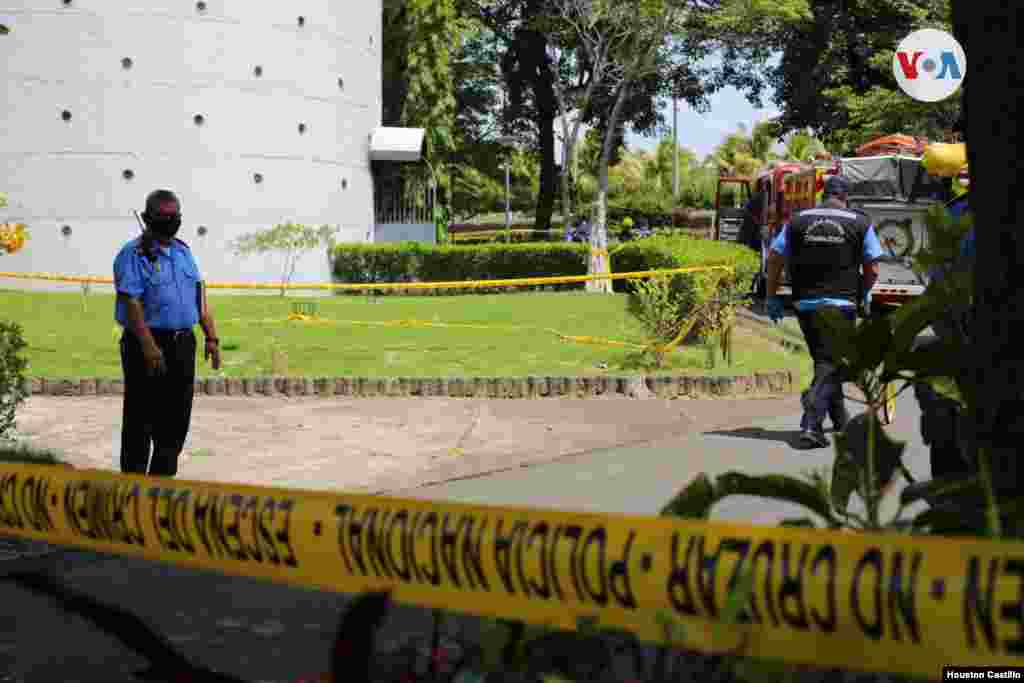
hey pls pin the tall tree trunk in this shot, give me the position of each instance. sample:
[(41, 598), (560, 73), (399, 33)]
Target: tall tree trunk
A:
[(567, 155), (991, 31), (599, 261), (542, 84), (548, 172)]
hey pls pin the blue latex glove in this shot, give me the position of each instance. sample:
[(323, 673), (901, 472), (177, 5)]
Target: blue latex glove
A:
[(867, 303), (776, 309)]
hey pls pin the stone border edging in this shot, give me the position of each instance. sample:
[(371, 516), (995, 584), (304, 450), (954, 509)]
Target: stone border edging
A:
[(681, 386)]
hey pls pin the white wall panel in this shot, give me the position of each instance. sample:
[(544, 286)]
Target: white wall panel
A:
[(184, 62)]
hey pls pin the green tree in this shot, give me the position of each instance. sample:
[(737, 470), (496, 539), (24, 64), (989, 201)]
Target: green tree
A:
[(835, 75), (763, 137), (474, 193), (633, 35), (802, 146), (292, 240), (419, 39)]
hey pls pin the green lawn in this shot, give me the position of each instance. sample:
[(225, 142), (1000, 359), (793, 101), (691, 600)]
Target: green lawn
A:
[(66, 341)]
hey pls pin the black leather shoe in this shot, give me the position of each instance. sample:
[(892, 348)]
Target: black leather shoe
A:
[(812, 439)]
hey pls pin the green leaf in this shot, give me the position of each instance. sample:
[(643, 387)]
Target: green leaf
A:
[(673, 629), (799, 523), (777, 487), (937, 489), (941, 358), (738, 598), (888, 452), (947, 388), (912, 318), (693, 502), (845, 475), (966, 515), (495, 636), (873, 339)]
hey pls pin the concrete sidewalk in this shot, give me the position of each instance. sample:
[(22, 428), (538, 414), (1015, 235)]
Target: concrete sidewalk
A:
[(380, 444)]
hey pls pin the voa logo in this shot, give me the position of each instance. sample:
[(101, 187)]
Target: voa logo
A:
[(929, 65)]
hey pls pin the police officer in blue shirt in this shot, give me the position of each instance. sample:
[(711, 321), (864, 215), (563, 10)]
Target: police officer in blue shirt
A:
[(160, 298), (827, 248)]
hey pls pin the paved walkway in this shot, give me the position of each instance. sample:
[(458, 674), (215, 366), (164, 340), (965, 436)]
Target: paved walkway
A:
[(380, 444)]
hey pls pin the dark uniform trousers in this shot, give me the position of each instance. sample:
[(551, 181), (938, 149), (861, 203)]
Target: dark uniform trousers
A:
[(157, 409), (826, 393)]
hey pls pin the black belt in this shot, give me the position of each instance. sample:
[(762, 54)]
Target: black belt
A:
[(173, 334)]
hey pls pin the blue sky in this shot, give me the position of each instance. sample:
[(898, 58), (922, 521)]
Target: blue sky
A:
[(703, 132)]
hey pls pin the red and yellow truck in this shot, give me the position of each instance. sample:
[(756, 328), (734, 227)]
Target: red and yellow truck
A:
[(890, 183)]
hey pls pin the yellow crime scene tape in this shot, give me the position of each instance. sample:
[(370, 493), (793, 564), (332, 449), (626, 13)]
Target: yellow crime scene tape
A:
[(451, 284), (884, 602), (297, 317)]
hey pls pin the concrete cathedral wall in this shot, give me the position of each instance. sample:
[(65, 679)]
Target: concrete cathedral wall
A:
[(103, 98)]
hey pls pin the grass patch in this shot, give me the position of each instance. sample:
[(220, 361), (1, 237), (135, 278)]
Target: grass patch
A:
[(26, 455), (66, 341)]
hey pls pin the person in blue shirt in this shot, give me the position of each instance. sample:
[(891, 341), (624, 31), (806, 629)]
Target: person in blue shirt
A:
[(832, 253), (942, 428), (160, 299)]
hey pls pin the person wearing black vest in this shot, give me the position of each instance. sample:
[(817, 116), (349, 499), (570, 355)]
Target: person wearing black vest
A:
[(832, 252)]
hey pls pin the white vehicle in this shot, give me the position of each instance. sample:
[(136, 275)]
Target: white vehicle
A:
[(896, 191)]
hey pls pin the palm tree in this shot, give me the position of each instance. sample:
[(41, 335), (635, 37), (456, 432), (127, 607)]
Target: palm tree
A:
[(762, 140), (743, 154), (802, 146)]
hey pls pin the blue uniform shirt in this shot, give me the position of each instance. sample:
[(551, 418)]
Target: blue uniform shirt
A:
[(168, 293), (872, 252), (967, 244)]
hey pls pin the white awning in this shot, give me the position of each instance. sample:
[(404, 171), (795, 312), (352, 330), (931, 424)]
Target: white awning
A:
[(396, 144)]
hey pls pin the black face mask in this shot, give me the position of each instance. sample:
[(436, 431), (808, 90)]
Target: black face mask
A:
[(164, 226)]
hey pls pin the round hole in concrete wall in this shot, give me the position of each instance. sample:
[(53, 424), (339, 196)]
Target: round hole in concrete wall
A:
[(257, 178), (302, 128), (302, 21), (126, 63), (257, 71), (65, 230), (127, 174), (371, 41), (67, 3), (66, 115), (344, 183), (200, 6), (198, 119), (341, 83), (201, 230)]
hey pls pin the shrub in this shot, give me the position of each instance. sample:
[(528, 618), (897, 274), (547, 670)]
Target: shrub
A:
[(675, 251), (26, 455), (409, 262), (414, 262), (13, 384), (656, 306)]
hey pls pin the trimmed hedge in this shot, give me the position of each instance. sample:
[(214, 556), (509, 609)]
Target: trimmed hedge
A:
[(414, 262), (677, 251)]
